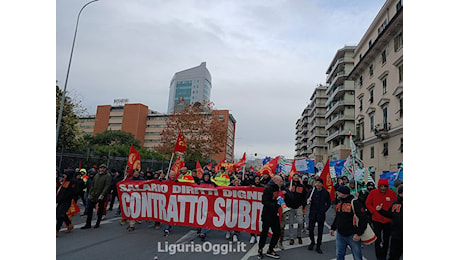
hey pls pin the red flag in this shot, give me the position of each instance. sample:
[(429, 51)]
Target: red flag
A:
[(241, 162), (209, 166), (293, 170), (217, 167), (228, 167), (251, 168), (269, 167), (199, 170), (177, 166), (180, 144), (326, 176), (134, 160)]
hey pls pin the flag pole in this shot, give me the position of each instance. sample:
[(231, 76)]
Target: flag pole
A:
[(169, 167)]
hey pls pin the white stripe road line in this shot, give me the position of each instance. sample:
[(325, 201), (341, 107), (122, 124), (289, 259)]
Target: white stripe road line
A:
[(188, 236), (111, 220)]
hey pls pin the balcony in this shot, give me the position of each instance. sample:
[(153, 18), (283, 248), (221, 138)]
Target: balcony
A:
[(338, 89), (335, 134), (381, 130), (337, 119), (343, 102)]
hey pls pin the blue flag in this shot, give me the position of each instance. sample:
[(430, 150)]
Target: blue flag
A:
[(338, 166)]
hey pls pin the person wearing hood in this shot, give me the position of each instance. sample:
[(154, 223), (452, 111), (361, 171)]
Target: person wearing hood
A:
[(382, 226), (100, 187), (64, 196), (206, 182), (396, 214), (270, 218)]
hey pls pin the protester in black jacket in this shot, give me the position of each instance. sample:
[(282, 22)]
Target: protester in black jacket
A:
[(80, 185), (113, 188), (296, 199), (64, 196), (320, 201), (396, 214), (270, 218), (347, 232)]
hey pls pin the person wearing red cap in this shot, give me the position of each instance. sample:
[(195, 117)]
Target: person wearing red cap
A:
[(382, 226)]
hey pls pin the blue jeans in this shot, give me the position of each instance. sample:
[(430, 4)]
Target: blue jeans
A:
[(341, 247)]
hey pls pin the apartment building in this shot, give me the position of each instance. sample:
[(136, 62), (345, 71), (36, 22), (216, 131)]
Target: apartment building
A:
[(316, 122), (302, 150), (378, 81), (147, 125), (340, 115)]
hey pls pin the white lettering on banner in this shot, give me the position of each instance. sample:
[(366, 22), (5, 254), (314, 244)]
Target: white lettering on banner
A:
[(134, 205), (183, 189), (231, 214), (202, 211), (243, 215), (256, 208), (241, 194), (172, 209), (183, 200), (124, 198), (219, 220), (145, 187)]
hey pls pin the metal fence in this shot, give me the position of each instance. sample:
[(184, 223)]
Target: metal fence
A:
[(68, 160)]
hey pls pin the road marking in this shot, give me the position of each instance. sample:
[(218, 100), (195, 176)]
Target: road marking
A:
[(111, 220), (186, 237)]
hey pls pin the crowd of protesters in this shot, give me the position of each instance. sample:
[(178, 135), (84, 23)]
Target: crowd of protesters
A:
[(306, 199)]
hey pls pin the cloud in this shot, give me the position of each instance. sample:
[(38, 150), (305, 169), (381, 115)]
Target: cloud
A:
[(265, 57)]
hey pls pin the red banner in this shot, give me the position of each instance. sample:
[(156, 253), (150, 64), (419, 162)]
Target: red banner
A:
[(189, 204)]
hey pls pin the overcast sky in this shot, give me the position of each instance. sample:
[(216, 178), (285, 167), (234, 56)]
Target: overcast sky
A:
[(265, 57)]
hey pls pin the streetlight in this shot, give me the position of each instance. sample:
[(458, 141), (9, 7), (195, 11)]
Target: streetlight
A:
[(67, 76)]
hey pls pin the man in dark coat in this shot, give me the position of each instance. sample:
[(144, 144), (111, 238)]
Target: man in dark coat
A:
[(64, 196), (296, 199), (320, 201), (270, 218), (100, 187)]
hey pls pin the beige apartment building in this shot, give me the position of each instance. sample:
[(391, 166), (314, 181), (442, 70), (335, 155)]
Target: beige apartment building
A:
[(147, 125), (301, 140), (340, 115), (378, 81), (316, 123)]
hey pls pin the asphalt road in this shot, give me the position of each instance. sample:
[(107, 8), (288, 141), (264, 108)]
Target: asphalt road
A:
[(113, 241)]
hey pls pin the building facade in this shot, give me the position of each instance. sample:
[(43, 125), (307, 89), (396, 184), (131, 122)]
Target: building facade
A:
[(147, 125), (193, 85), (316, 123), (340, 115), (378, 80)]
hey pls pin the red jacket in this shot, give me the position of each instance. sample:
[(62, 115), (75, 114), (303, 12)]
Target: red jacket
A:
[(376, 198)]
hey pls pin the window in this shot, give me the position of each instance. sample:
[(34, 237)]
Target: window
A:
[(371, 97), (400, 107), (361, 80), (384, 86), (384, 57), (221, 117), (385, 149), (372, 152), (370, 43), (361, 104), (361, 154), (398, 42), (371, 70), (401, 146), (371, 121), (400, 71)]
